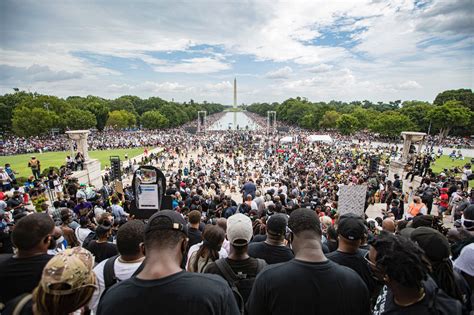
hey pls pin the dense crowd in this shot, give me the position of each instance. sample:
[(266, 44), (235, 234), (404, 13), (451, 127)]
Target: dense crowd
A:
[(254, 227)]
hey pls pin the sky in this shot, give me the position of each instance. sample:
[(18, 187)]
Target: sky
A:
[(323, 50)]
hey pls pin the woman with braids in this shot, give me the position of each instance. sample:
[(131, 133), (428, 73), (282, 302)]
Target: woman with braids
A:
[(402, 266), (437, 250), (213, 237)]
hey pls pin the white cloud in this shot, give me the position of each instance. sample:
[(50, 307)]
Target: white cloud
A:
[(194, 65), (393, 48), (282, 73), (320, 68), (220, 86), (409, 85), (36, 73)]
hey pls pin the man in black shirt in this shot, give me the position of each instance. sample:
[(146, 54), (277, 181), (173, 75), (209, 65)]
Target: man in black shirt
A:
[(194, 234), (102, 248), (239, 233), (273, 250), (351, 230), (162, 286), (21, 273), (308, 284), (404, 269)]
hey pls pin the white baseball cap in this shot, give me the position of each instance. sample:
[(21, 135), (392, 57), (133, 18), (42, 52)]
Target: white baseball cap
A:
[(465, 259), (239, 229)]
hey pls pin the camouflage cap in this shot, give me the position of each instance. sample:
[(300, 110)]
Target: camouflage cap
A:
[(68, 272)]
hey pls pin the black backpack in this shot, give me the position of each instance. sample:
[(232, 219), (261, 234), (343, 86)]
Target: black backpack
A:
[(240, 284), (89, 238), (109, 273), (443, 304)]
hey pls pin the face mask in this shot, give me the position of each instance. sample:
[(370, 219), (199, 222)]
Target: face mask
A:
[(60, 241), (52, 244)]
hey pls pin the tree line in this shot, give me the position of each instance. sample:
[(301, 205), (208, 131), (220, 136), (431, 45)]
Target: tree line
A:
[(452, 112), (31, 114)]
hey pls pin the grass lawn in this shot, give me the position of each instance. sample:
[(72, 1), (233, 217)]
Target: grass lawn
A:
[(446, 162), (19, 162)]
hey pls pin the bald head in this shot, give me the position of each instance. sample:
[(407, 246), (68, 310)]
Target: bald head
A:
[(388, 225)]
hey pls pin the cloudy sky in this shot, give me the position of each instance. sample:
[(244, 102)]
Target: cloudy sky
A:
[(326, 49)]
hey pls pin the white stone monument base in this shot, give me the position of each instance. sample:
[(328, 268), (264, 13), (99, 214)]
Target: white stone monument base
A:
[(396, 167), (90, 174)]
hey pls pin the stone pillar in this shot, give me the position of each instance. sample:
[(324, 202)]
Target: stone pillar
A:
[(406, 147), (71, 146), (80, 137), (91, 172)]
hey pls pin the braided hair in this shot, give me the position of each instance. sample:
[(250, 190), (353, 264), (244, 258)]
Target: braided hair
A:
[(401, 259)]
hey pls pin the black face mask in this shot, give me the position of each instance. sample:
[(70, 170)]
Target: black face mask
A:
[(52, 243)]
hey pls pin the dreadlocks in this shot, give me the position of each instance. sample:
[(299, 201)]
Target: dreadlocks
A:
[(401, 259)]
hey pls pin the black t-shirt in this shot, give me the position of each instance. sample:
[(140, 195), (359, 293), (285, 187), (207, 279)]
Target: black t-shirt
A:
[(181, 293), (385, 303), (272, 254), (102, 251), (298, 287), (357, 263), (247, 266), (259, 238), (20, 275), (194, 236)]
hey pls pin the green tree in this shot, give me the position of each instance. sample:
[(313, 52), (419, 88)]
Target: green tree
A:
[(364, 116), (175, 114), (309, 121), (100, 109), (48, 102), (329, 119), (8, 103), (417, 111), (465, 97), (27, 122), (77, 119), (448, 116), (120, 119), (154, 120), (392, 123), (347, 124)]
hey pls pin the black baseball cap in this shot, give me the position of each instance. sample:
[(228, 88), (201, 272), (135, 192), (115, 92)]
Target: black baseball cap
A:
[(434, 244), (167, 220), (351, 226), (276, 224)]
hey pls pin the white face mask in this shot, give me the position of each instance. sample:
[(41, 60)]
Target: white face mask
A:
[(60, 241)]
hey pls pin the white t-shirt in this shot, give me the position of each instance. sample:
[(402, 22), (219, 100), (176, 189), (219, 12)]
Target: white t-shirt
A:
[(123, 271), (465, 174), (222, 253), (81, 234)]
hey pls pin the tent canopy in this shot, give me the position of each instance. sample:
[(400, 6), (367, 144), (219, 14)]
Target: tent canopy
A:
[(320, 138), (286, 139)]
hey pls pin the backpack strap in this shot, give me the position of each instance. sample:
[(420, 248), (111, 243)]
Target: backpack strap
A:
[(230, 276), (226, 271), (139, 269), (21, 304), (109, 273)]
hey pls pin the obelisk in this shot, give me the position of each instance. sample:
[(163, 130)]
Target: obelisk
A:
[(235, 92), (235, 103)]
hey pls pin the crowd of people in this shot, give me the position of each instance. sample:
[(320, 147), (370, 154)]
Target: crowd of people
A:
[(253, 228)]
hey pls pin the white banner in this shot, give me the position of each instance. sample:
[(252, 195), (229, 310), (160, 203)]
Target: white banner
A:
[(148, 196), (352, 199)]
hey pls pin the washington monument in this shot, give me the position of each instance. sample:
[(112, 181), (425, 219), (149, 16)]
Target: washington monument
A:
[(235, 92), (235, 104)]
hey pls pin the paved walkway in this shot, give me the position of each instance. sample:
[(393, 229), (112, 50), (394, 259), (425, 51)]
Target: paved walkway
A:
[(446, 150)]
